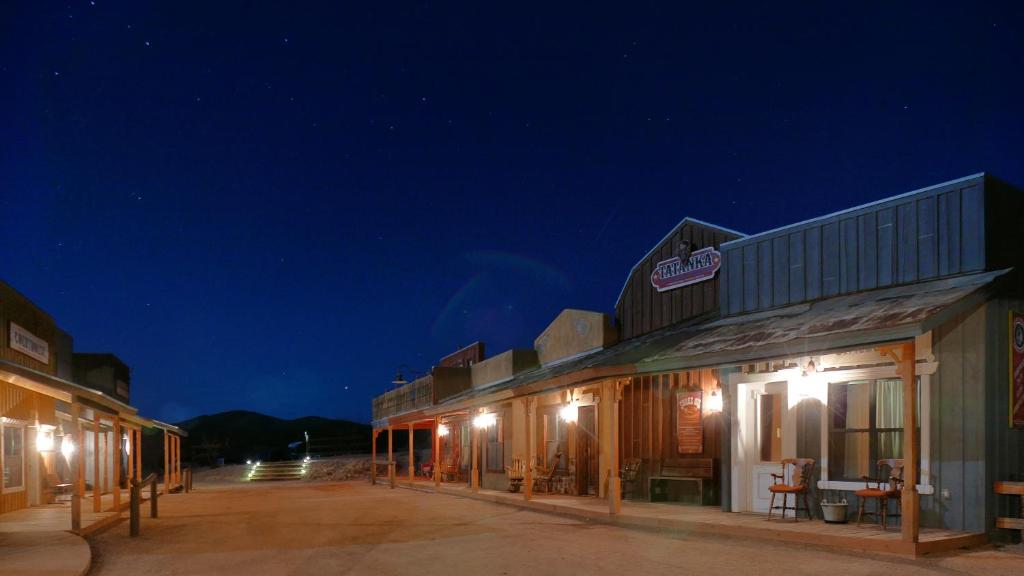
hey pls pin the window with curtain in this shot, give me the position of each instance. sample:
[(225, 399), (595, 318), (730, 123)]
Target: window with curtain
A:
[(13, 455), (866, 425)]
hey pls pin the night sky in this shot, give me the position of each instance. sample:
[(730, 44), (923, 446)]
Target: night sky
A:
[(271, 208)]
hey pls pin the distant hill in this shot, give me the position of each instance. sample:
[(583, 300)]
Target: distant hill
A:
[(238, 435)]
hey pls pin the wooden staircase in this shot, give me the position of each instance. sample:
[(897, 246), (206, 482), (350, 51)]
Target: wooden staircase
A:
[(277, 471)]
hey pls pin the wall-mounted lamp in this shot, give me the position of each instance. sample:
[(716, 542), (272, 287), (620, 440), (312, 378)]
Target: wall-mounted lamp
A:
[(442, 430), (484, 420), (570, 412), (44, 439), (714, 402), (67, 446)]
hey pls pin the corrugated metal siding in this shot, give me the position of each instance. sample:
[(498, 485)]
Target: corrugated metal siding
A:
[(936, 232)]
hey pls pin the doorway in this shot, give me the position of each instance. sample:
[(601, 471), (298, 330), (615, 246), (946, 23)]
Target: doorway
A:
[(587, 452), (764, 434)]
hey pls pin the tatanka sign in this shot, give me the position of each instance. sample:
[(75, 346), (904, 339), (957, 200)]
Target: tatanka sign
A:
[(1016, 370), (685, 269)]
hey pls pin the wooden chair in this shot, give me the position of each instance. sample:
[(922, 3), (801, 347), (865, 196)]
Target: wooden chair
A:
[(884, 488), (543, 477), (801, 472), (450, 468), (628, 475), (516, 473), (57, 488)]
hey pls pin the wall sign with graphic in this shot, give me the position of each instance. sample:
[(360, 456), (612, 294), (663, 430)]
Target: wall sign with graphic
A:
[(686, 268), (29, 344), (689, 427), (1016, 369)]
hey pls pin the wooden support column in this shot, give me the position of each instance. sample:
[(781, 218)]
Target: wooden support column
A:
[(75, 431), (412, 453), (167, 462), (437, 451), (610, 403), (475, 472), (391, 457), (531, 445), (177, 460), (138, 454), (373, 457), (129, 470), (106, 461), (905, 357), (117, 466), (97, 488)]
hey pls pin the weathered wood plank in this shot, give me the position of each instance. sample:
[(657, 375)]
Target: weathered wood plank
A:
[(812, 262), (906, 243), (927, 246), (867, 251), (830, 259), (796, 267), (780, 271)]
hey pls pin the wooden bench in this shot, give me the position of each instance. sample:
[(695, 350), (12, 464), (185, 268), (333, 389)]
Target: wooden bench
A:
[(695, 470), (1011, 489)]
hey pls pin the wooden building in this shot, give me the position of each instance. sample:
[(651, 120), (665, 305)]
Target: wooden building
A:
[(879, 332), (64, 442)]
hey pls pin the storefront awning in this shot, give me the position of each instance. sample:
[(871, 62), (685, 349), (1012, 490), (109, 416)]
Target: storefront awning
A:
[(842, 322)]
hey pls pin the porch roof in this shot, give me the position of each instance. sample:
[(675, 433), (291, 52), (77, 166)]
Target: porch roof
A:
[(842, 322)]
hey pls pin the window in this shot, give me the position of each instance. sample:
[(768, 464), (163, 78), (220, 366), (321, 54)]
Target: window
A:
[(865, 425), (13, 455), (495, 445)]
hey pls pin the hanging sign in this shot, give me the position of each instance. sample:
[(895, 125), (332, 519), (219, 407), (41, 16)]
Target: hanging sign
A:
[(28, 343), (689, 428), (1016, 370), (685, 269)]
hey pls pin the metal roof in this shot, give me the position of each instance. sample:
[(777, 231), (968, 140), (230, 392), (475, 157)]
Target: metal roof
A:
[(859, 319)]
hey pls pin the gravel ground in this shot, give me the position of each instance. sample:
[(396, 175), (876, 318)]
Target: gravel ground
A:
[(354, 528)]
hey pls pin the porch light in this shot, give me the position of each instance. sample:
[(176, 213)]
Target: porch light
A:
[(570, 412), (127, 445), (248, 462), (484, 420), (442, 430), (44, 439), (715, 402), (67, 446)]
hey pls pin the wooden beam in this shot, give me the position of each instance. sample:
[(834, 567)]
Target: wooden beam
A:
[(167, 462), (412, 454), (138, 454), (614, 489), (531, 445), (391, 458), (97, 488), (75, 431), (437, 451), (116, 496), (106, 461), (475, 472), (904, 355), (373, 457)]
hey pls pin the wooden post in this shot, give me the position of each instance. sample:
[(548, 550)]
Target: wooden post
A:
[(133, 508), (412, 454), (391, 457), (905, 357), (614, 490), (76, 472), (373, 457), (152, 498), (138, 454), (437, 451), (177, 460), (531, 445), (129, 471), (106, 461), (167, 462), (97, 490), (116, 496), (475, 473)]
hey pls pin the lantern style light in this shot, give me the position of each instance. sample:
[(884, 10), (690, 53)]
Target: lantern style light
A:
[(484, 420), (44, 439), (715, 401), (67, 446), (570, 412), (442, 430)]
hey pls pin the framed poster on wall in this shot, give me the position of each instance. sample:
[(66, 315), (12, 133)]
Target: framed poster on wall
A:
[(1016, 369), (689, 427)]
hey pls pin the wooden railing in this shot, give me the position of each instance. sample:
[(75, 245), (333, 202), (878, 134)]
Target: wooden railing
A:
[(136, 501)]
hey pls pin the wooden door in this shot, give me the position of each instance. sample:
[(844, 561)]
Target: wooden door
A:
[(587, 452)]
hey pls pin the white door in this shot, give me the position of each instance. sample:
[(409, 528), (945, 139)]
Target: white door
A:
[(763, 438)]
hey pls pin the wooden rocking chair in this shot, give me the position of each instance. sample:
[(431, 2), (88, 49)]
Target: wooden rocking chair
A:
[(543, 477), (516, 473), (628, 476), (799, 484), (883, 490)]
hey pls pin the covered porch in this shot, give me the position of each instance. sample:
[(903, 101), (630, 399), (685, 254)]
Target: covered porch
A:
[(711, 520)]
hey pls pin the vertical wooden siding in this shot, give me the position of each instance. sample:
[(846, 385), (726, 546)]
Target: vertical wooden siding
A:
[(16, 308), (937, 232), (647, 422), (642, 309)]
